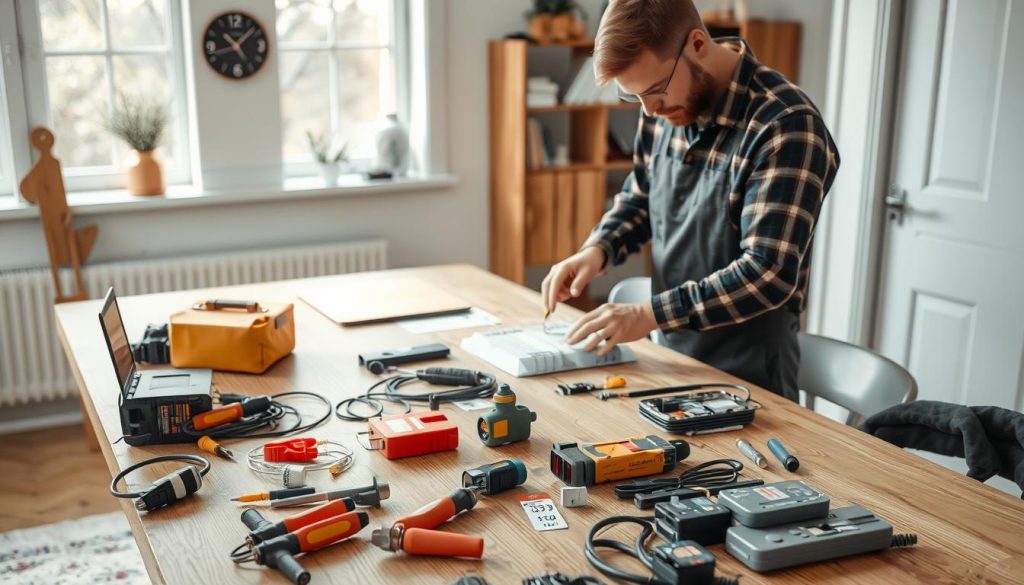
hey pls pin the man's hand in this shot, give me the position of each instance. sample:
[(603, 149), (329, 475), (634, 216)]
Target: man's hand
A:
[(569, 277), (614, 324)]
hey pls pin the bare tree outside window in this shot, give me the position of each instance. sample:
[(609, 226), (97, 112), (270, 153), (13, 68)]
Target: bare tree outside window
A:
[(337, 72)]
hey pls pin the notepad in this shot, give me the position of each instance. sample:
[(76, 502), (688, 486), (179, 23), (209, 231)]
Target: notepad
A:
[(380, 298), (530, 351)]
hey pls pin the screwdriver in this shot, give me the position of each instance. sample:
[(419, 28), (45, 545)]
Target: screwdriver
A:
[(261, 529), (274, 494), (230, 413), (210, 446)]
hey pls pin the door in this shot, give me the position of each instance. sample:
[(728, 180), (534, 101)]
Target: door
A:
[(951, 303)]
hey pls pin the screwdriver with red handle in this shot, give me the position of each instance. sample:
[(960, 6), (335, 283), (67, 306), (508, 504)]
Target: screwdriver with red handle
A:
[(261, 529), (412, 533), (279, 552), (230, 413)]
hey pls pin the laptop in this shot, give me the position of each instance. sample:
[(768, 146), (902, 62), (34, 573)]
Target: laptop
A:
[(140, 385)]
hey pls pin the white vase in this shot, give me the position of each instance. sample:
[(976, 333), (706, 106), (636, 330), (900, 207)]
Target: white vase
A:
[(393, 147), (329, 171)]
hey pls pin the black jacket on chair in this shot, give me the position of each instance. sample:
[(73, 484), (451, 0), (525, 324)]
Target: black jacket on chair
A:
[(990, 438)]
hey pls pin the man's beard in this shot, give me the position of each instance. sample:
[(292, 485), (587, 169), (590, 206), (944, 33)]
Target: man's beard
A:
[(698, 99)]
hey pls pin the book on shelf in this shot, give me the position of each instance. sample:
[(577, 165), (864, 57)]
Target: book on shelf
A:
[(536, 157)]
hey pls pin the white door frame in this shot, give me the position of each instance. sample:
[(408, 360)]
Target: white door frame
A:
[(859, 109)]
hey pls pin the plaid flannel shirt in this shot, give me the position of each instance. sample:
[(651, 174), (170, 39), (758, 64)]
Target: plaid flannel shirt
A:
[(779, 169)]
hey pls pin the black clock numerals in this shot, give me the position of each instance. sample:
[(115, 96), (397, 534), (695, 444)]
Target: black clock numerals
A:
[(235, 45)]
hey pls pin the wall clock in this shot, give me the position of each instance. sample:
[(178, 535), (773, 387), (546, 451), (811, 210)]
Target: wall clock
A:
[(235, 45)]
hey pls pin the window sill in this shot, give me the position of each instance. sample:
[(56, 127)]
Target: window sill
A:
[(181, 196)]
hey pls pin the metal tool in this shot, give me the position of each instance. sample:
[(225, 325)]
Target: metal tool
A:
[(414, 534), (369, 495), (274, 494), (261, 529), (751, 453), (206, 443)]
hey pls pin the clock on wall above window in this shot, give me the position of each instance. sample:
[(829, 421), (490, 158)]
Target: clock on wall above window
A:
[(235, 45)]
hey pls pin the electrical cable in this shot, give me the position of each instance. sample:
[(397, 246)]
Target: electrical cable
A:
[(706, 476), (194, 459), (337, 459), (637, 551), (247, 426), (472, 385)]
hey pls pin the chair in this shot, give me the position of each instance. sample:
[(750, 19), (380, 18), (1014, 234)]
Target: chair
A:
[(859, 380)]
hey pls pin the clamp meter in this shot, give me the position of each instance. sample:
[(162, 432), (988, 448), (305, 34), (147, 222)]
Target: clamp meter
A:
[(591, 463)]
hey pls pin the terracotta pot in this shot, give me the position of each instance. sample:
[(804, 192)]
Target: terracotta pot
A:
[(561, 26), (540, 24), (146, 176), (578, 29)]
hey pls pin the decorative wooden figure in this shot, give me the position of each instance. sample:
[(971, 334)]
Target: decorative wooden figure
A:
[(66, 245)]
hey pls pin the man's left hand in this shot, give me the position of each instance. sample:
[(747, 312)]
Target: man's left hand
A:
[(613, 323)]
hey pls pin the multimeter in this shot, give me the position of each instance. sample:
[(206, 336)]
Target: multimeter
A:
[(697, 519), (776, 503), (846, 531)]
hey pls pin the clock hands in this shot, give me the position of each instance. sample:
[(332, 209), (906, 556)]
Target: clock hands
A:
[(236, 46), (242, 38)]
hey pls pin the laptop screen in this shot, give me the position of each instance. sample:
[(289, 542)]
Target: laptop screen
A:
[(117, 339)]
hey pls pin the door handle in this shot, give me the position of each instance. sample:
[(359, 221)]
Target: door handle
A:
[(896, 203)]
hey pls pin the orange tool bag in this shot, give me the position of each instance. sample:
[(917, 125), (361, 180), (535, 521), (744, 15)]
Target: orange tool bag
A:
[(238, 336)]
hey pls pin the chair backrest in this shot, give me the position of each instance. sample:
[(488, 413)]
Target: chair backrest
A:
[(855, 378), (636, 289)]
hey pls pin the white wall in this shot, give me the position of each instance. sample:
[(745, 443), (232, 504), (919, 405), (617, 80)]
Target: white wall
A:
[(424, 228)]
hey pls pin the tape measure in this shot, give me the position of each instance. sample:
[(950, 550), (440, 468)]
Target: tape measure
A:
[(591, 463)]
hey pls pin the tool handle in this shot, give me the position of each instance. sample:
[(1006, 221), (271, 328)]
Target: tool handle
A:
[(254, 520), (420, 541), (448, 376), (439, 511), (326, 532), (318, 513), (218, 304), (289, 492), (217, 416), (291, 569)]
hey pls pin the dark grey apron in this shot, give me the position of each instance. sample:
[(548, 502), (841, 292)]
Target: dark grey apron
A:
[(692, 237)]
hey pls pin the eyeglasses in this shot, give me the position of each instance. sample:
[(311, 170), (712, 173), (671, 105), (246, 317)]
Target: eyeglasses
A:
[(635, 99)]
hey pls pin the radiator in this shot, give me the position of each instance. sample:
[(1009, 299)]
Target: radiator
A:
[(33, 367)]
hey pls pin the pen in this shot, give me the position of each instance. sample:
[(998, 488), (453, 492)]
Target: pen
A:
[(752, 453), (790, 462)]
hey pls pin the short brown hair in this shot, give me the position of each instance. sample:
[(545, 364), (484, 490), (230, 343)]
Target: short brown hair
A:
[(630, 26)]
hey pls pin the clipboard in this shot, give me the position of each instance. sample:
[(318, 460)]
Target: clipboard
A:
[(373, 300)]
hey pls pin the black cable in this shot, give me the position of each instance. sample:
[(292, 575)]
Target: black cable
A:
[(637, 551), (471, 385), (707, 475), (187, 458), (247, 426)]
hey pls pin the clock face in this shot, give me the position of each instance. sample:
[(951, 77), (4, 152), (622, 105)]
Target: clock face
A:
[(235, 45)]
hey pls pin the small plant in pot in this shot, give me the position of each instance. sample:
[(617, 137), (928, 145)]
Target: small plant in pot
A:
[(329, 164), (555, 20), (141, 124)]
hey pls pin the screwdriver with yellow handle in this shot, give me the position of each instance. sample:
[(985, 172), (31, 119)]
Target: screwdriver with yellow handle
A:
[(206, 443), (413, 533), (230, 413), (273, 495)]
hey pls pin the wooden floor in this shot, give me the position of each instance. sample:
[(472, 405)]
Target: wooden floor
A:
[(49, 476)]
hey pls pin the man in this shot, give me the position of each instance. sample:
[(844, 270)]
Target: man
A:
[(731, 165)]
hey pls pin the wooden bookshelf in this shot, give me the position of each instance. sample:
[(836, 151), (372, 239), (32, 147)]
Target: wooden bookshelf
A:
[(541, 215), (776, 43)]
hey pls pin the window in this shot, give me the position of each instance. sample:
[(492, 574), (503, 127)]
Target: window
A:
[(338, 72), (92, 52), (7, 186)]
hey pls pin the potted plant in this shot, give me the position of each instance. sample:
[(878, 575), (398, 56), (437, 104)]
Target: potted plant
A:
[(141, 124), (556, 21), (322, 153)]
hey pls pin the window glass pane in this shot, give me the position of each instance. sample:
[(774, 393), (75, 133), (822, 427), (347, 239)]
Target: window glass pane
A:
[(144, 77), (362, 20), (360, 99), (305, 100), (303, 20), (78, 107), (71, 24), (137, 23)]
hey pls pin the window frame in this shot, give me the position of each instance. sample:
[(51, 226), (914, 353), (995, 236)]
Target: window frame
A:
[(35, 93), (399, 57)]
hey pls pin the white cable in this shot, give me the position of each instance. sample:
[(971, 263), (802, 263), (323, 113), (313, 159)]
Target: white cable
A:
[(293, 473)]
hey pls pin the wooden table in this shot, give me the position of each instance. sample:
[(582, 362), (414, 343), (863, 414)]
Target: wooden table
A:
[(969, 532)]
